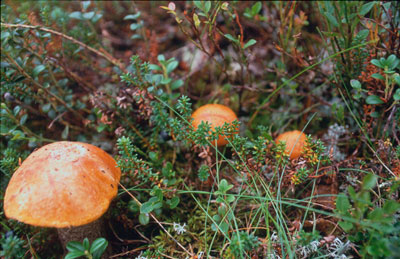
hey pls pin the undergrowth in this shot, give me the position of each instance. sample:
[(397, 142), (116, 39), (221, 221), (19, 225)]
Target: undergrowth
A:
[(127, 76)]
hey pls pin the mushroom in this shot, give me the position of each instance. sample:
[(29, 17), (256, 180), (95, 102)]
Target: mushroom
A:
[(66, 185), (293, 138), (216, 115)]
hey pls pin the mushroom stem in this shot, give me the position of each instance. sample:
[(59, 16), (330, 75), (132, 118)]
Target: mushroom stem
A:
[(92, 231)]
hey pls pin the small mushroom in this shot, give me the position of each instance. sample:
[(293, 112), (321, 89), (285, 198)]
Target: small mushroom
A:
[(216, 115), (66, 185), (293, 138)]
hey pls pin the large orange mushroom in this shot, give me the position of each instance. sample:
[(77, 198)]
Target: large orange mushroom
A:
[(294, 141), (216, 115), (66, 185)]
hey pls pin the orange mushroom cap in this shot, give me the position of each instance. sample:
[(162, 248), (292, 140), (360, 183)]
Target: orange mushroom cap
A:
[(293, 138), (62, 184), (216, 115)]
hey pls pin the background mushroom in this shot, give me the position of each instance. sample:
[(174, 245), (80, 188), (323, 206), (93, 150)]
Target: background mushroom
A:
[(66, 185), (294, 140), (216, 115)]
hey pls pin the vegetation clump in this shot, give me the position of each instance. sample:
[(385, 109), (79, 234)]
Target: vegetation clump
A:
[(145, 83)]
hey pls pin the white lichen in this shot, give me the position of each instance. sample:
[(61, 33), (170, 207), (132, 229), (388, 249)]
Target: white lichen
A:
[(338, 248), (140, 256), (179, 229)]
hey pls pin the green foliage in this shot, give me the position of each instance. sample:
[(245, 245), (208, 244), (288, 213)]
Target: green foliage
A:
[(62, 80), (90, 251), (130, 163), (135, 26), (12, 246), (225, 215), (374, 228), (305, 238), (243, 242), (343, 20), (388, 65), (9, 161), (253, 11), (203, 173)]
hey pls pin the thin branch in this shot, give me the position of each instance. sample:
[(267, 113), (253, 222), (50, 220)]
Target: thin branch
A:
[(107, 56)]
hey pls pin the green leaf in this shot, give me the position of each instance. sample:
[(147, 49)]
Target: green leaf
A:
[(373, 99), (146, 207), (101, 127), (88, 16), (256, 8), (394, 63), (74, 254), (174, 202), (156, 79), (377, 63), (166, 81), (23, 119), (153, 156), (369, 181), (155, 67), (46, 107), (135, 26), (17, 134), (198, 4), (86, 243), (171, 66), (331, 19), (230, 37), (132, 16), (217, 218), (5, 35), (76, 15), (65, 132), (342, 203), (347, 226), (251, 42), (230, 198), (16, 110), (392, 58), (355, 84), (390, 207), (396, 95), (85, 4), (361, 36), (144, 218), (36, 71), (136, 36), (352, 192), (161, 58), (133, 206), (224, 227), (365, 8), (207, 6), (223, 186), (75, 246), (176, 84), (157, 205), (98, 247), (97, 17), (377, 76), (222, 209)]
